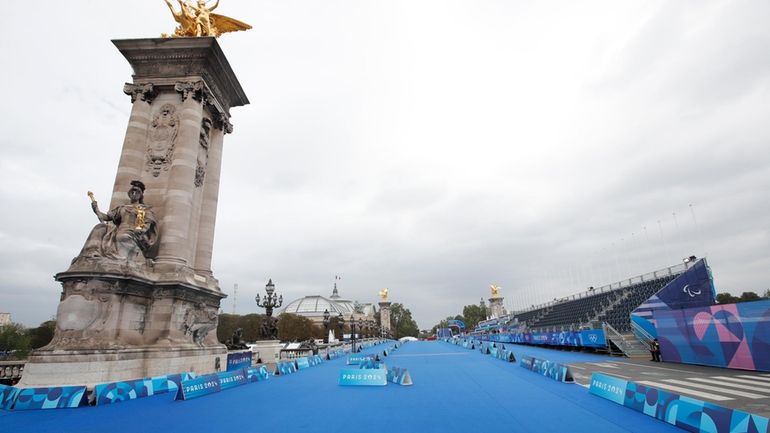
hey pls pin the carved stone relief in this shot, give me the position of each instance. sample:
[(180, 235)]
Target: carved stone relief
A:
[(203, 152), (162, 138), (199, 321), (142, 92)]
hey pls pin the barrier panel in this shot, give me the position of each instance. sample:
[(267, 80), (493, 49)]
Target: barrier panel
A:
[(547, 368), (684, 412), (285, 367), (257, 374), (359, 377), (8, 396), (199, 386), (57, 397), (303, 363), (399, 376), (505, 355), (114, 392), (315, 360), (239, 360), (357, 359)]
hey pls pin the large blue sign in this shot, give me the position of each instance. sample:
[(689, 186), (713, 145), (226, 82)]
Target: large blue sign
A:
[(547, 368), (200, 386), (609, 387), (588, 338), (231, 379), (239, 360), (358, 377), (57, 397)]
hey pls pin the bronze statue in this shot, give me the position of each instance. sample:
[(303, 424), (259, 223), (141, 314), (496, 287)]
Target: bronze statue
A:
[(196, 20), (126, 233)]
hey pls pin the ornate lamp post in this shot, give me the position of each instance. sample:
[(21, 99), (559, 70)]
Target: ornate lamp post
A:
[(352, 334), (272, 300), (361, 327), (326, 326), (341, 326)]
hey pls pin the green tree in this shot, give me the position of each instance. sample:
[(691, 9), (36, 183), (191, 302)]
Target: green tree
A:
[(748, 296), (293, 327), (14, 338), (473, 315), (402, 323), (726, 298), (42, 335)]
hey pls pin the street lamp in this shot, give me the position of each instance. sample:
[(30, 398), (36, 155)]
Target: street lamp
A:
[(341, 325), (272, 300), (352, 334), (326, 326), (361, 327)]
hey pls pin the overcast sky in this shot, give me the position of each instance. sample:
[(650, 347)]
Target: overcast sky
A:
[(433, 147)]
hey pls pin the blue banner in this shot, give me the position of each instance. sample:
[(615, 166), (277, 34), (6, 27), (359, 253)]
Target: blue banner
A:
[(8, 396), (257, 374), (357, 359), (399, 376), (303, 363), (687, 413), (107, 393), (315, 360), (200, 386), (238, 360), (589, 338), (231, 379), (547, 368), (285, 367), (358, 377), (57, 397)]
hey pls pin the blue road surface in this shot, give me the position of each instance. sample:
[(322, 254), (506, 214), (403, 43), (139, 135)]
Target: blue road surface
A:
[(455, 390)]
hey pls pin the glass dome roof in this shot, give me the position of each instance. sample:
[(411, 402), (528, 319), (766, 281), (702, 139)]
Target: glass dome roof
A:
[(314, 305)]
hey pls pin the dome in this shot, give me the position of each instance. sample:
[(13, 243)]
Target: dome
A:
[(313, 306)]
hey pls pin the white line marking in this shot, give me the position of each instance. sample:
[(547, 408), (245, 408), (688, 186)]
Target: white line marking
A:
[(742, 381), (686, 391), (715, 388), (755, 377), (734, 385)]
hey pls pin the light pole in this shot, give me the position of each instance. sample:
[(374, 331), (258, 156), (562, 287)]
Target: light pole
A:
[(272, 300), (352, 334), (326, 326), (341, 326)]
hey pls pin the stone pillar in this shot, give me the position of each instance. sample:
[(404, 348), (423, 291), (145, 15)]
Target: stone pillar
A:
[(496, 307), (385, 316), (156, 313)]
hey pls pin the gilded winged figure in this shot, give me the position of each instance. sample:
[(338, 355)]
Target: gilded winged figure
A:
[(196, 20)]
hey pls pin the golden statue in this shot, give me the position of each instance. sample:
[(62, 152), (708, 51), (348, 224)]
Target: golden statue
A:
[(384, 294), (196, 20), (495, 291)]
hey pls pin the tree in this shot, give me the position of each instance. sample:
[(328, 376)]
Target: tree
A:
[(401, 322), (293, 327), (726, 298), (14, 341), (473, 315), (42, 335), (748, 296)]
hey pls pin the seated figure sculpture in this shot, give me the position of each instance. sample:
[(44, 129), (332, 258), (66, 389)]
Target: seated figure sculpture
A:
[(126, 233)]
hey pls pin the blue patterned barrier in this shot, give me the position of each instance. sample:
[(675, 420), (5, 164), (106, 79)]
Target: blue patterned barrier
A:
[(548, 369), (239, 360), (357, 359), (8, 395), (303, 363), (399, 376), (58, 397), (505, 355), (257, 374), (315, 360), (684, 412), (199, 386), (285, 367), (107, 393), (231, 379)]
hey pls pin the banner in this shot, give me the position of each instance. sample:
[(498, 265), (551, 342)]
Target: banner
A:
[(257, 374), (357, 359), (285, 367), (8, 396), (57, 397), (303, 363), (358, 377), (687, 413), (238, 360), (548, 369), (315, 360), (200, 386), (587, 338), (114, 392)]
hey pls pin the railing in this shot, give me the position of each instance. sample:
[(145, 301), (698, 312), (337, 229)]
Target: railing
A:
[(643, 336), (11, 370), (650, 276)]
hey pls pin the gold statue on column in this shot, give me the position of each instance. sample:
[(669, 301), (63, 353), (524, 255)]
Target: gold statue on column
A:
[(384, 294), (196, 20), (495, 291)]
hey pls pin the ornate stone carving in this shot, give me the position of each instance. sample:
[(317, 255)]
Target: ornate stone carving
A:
[(199, 321), (222, 122), (162, 139), (203, 152), (193, 89), (143, 92)]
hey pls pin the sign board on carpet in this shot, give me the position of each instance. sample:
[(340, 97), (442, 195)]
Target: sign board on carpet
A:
[(358, 377)]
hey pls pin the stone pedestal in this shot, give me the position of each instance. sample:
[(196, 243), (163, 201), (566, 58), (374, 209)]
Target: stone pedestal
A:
[(269, 351), (155, 313), (385, 316), (496, 307)]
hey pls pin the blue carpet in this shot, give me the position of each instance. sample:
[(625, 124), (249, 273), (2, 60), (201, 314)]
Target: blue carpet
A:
[(455, 390)]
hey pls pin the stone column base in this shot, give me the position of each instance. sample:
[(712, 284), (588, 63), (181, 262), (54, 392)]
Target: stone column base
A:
[(269, 351), (91, 367)]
